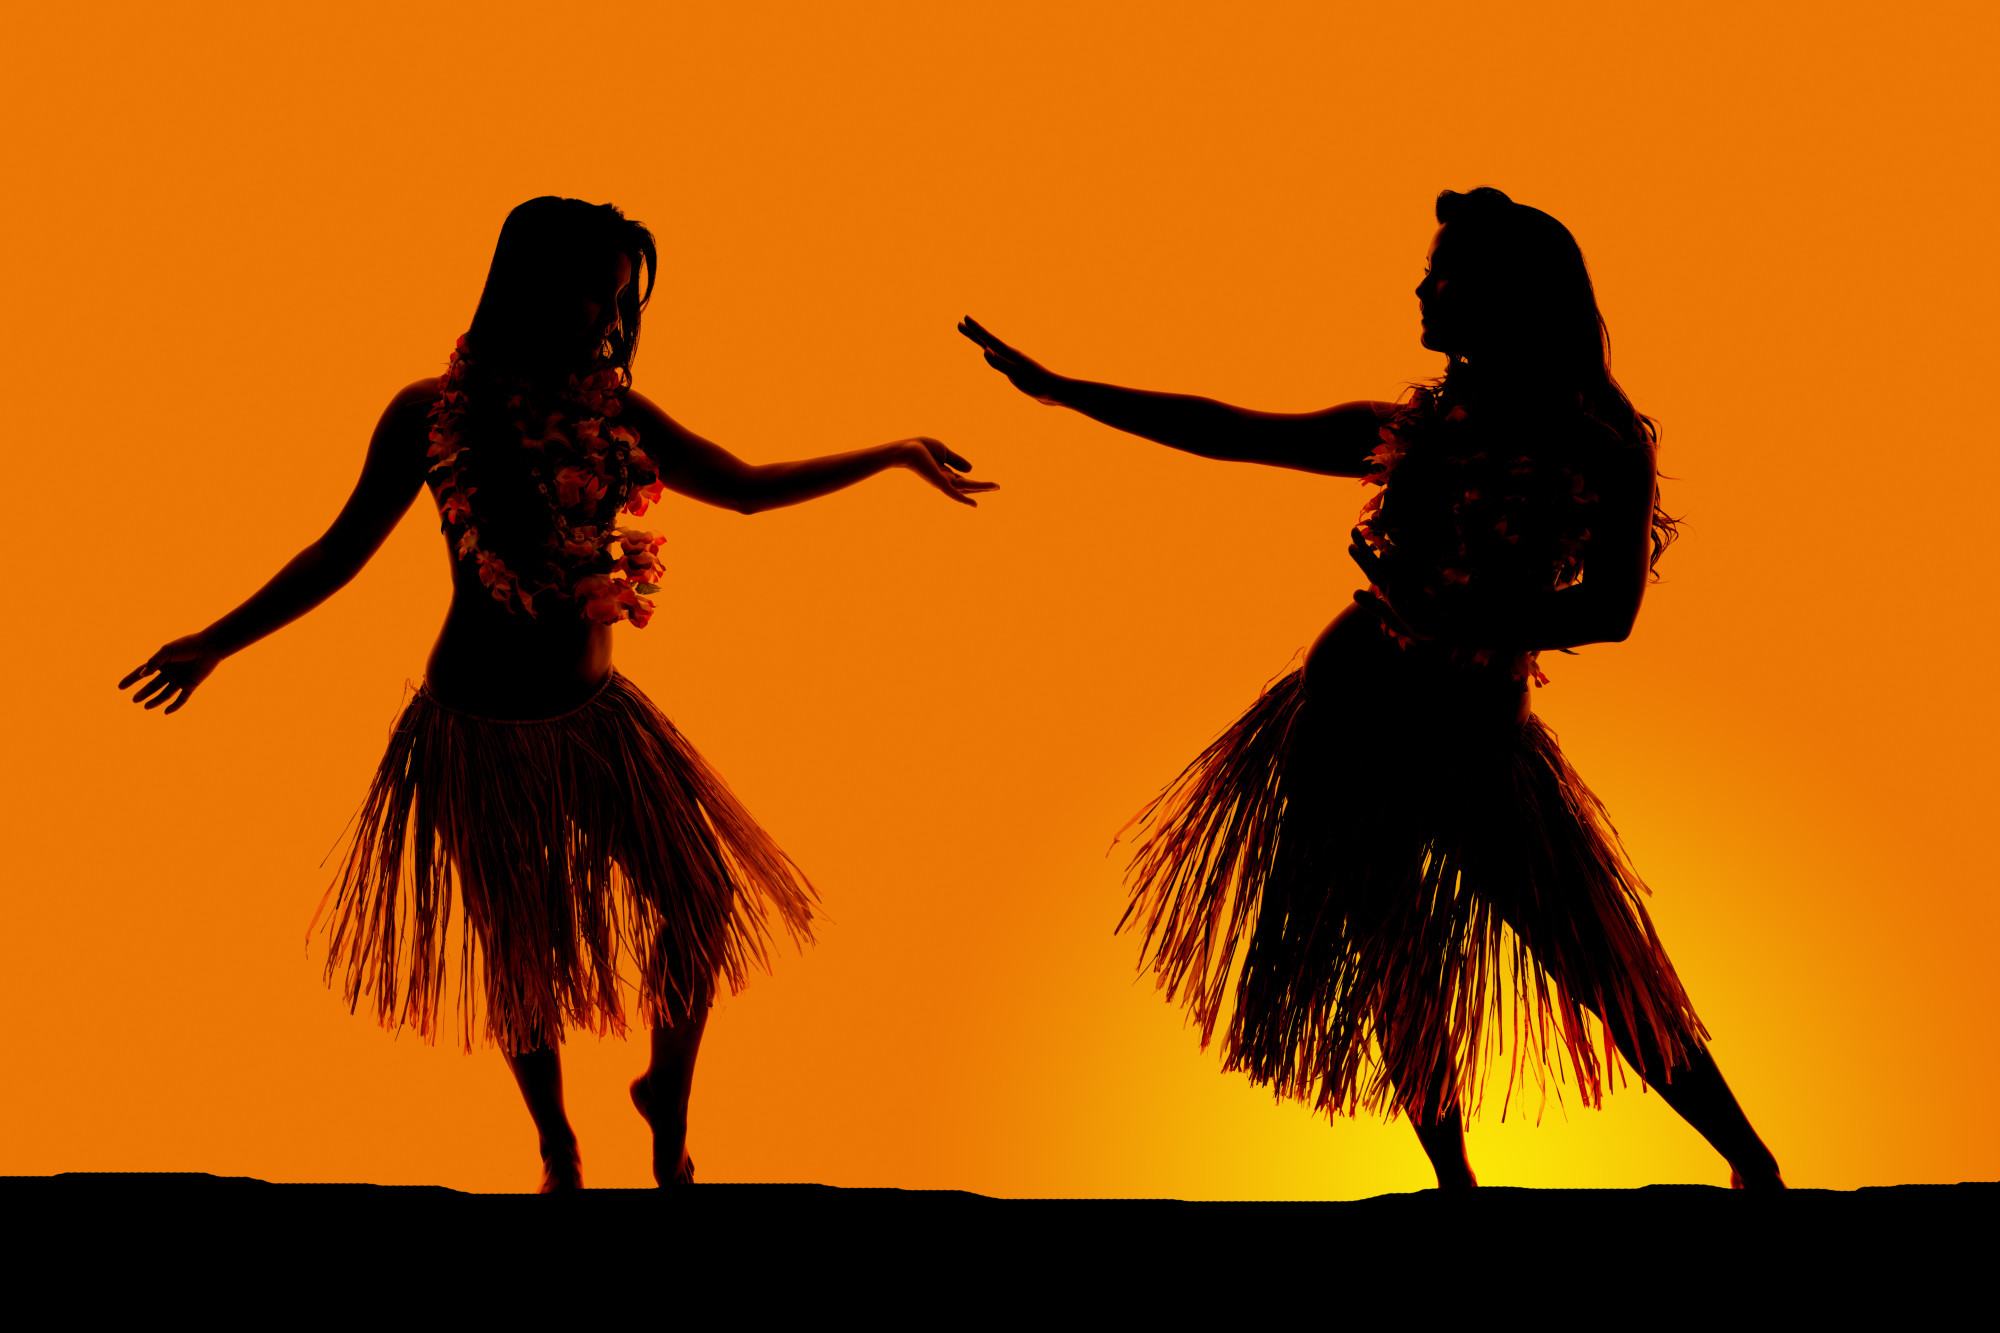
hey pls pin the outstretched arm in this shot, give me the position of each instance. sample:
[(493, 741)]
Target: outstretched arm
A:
[(705, 471), (390, 479), (1334, 442)]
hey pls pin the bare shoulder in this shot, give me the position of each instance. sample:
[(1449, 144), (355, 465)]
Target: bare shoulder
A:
[(402, 433), (407, 417), (642, 412), (660, 433), (413, 399)]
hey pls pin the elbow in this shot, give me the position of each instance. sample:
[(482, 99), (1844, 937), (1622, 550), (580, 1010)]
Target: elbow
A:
[(750, 491)]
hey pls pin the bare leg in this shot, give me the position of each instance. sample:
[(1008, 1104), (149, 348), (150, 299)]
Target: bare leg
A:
[(1697, 1091), (1704, 1100), (1441, 1129), (1444, 1144), (662, 1092), (539, 1074)]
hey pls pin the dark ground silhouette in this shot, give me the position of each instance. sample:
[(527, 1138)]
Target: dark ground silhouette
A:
[(952, 1258)]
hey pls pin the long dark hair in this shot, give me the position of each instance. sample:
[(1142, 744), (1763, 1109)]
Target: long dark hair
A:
[(531, 376), (1538, 317), (549, 249)]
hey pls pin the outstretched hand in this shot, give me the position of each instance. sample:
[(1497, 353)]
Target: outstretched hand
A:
[(943, 469), (1027, 374), (175, 670)]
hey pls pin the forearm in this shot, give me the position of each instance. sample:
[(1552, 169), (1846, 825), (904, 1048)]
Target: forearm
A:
[(776, 485), (1200, 426), (1334, 442), (310, 577)]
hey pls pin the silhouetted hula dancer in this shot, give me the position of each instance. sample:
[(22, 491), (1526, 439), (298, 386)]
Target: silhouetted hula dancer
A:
[(575, 824), (1415, 883)]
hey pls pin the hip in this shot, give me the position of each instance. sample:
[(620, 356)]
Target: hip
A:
[(1355, 668)]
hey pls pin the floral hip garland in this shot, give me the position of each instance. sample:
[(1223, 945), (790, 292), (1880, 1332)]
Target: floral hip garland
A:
[(586, 470), (1467, 516)]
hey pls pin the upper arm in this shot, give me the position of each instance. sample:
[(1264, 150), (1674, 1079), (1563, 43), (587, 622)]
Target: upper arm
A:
[(1335, 441), (391, 475), (1620, 556), (690, 465)]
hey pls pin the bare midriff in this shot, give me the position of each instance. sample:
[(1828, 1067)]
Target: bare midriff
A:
[(1354, 664), (510, 665)]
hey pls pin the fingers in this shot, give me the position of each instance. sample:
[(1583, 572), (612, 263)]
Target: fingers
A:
[(941, 453), (950, 486), (957, 487), (945, 470), (154, 663), (998, 354), (1368, 601), (151, 688), (1364, 555), (1381, 610), (187, 693), (948, 458), (976, 331)]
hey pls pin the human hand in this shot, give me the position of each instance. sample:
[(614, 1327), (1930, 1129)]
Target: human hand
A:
[(1391, 596), (1027, 374), (175, 670), (941, 468)]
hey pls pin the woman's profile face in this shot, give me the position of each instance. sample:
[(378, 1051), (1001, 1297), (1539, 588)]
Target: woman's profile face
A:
[(1438, 303)]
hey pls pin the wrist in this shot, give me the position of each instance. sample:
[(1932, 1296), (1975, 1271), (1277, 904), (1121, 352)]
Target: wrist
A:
[(1062, 391), (220, 640)]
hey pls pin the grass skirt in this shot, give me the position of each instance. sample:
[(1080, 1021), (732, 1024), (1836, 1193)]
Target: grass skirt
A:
[(571, 843), (1402, 907)]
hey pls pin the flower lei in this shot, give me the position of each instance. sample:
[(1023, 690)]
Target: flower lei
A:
[(588, 472), (1465, 514)]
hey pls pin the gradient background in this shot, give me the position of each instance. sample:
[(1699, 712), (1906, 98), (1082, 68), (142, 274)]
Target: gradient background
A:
[(233, 235)]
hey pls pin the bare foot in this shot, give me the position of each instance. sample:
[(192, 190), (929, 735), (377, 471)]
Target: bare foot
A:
[(562, 1168), (1766, 1180), (669, 1142)]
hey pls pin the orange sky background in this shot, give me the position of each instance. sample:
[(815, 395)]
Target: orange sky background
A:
[(232, 236)]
